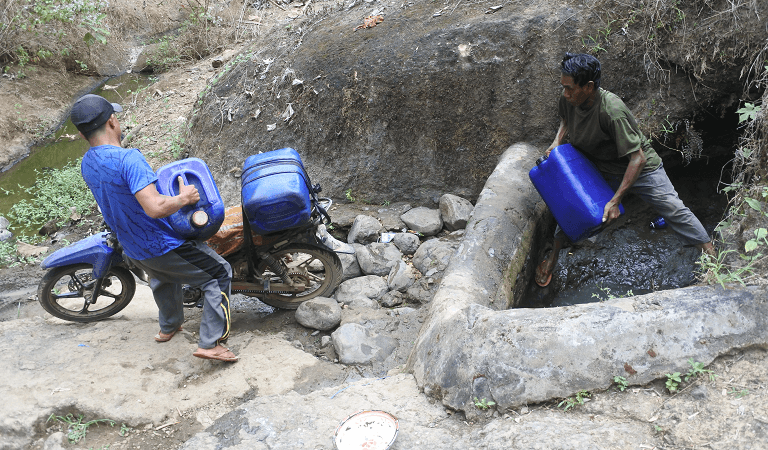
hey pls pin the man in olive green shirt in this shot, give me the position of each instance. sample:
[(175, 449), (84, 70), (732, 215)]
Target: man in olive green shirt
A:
[(601, 126)]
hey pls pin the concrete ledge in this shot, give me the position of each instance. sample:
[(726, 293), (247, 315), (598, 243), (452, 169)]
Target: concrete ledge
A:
[(471, 347)]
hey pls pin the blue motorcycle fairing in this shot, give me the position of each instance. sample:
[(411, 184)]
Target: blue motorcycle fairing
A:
[(91, 250)]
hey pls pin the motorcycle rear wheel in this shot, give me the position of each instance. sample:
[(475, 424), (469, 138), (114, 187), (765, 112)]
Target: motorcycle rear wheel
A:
[(65, 291), (319, 269)]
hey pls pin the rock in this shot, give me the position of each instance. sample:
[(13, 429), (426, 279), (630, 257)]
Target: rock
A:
[(365, 229), (350, 265), (434, 255), (49, 228), (319, 313), (378, 258), (324, 341), (408, 243), (390, 215), (422, 290), (28, 251), (455, 211), (392, 299), (355, 344), (424, 220), (369, 286), (401, 277), (55, 441), (4, 223), (144, 60), (700, 392), (5, 235), (363, 302), (216, 63)]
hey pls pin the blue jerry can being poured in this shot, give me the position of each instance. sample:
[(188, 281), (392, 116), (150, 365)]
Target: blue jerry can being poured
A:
[(574, 191), (203, 219)]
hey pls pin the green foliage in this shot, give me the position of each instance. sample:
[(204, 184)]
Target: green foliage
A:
[(673, 381), (36, 30), (606, 294), (716, 270), (77, 429), (54, 193), (739, 393), (747, 112), (8, 256), (760, 238), (484, 404), (572, 402), (348, 195), (698, 369), (621, 382)]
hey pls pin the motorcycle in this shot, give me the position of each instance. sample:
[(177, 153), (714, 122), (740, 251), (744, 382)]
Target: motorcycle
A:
[(90, 280)]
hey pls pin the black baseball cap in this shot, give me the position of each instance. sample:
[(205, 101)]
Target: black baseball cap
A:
[(92, 111)]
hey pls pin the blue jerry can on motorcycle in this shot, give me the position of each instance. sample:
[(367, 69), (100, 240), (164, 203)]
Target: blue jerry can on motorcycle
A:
[(276, 191), (199, 221), (574, 190)]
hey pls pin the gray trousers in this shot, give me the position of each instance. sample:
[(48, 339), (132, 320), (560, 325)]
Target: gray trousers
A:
[(655, 189), (195, 264)]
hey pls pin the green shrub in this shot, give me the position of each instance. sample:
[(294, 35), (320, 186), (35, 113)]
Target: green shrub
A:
[(54, 193), (39, 31)]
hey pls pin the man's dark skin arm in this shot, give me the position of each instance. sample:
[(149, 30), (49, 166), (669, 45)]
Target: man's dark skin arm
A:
[(637, 161)]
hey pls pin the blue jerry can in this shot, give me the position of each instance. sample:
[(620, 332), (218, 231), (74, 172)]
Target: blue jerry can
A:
[(276, 191), (199, 221), (574, 191)]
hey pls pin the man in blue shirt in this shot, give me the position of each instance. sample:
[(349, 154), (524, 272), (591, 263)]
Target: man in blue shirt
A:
[(123, 184)]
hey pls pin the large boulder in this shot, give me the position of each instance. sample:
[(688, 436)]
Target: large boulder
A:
[(319, 313), (355, 344), (378, 258), (455, 211), (369, 286), (423, 220), (365, 230)]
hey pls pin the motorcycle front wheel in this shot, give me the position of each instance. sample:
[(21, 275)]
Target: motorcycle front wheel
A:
[(319, 270), (66, 293)]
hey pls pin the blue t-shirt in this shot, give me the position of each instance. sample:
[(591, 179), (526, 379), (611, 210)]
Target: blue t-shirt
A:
[(115, 175)]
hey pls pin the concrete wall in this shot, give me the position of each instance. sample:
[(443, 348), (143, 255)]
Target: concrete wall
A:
[(472, 346)]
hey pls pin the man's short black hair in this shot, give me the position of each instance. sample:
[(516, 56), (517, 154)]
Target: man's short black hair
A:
[(582, 68)]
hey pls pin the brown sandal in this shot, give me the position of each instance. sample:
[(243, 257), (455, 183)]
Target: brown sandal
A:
[(221, 354), (162, 337), (540, 269)]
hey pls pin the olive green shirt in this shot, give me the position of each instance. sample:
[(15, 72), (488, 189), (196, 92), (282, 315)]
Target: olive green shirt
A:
[(607, 133)]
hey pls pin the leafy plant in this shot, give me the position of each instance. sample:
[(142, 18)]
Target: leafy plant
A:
[(673, 381), (572, 402), (54, 193), (608, 296), (77, 429), (715, 269), (739, 393), (348, 195), (621, 382), (697, 369), (760, 238), (748, 112), (484, 404)]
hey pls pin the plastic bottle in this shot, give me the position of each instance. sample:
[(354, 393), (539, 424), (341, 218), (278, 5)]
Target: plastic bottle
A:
[(658, 223)]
